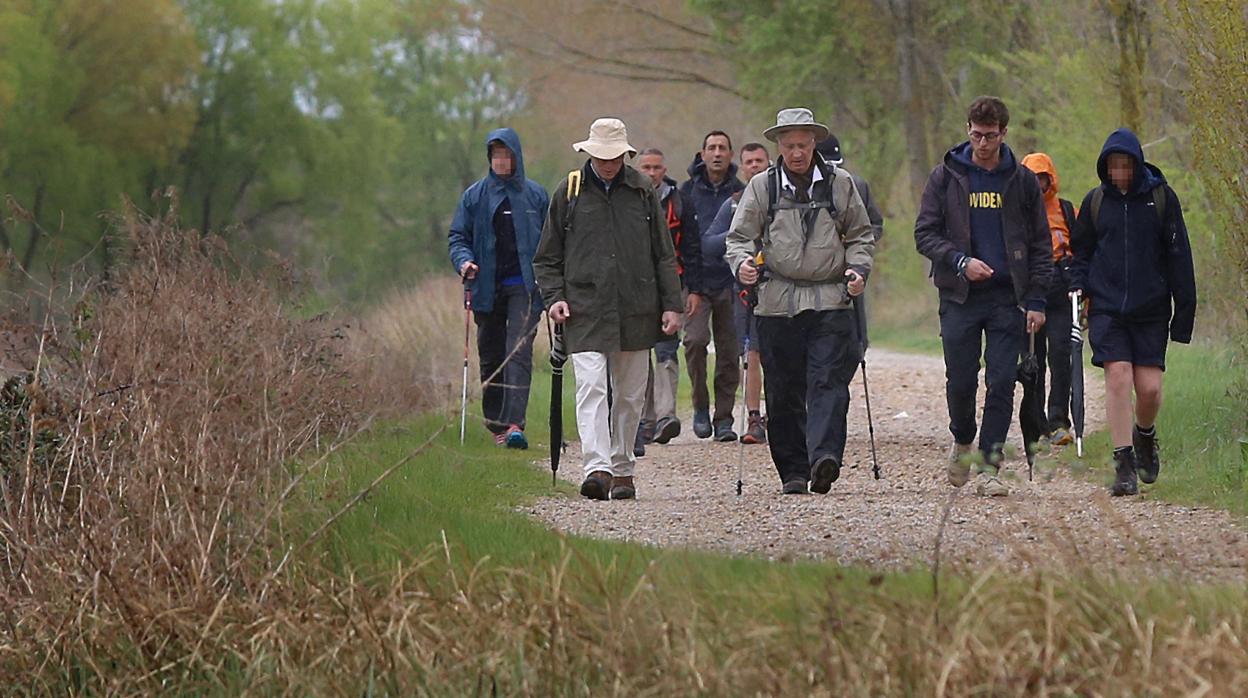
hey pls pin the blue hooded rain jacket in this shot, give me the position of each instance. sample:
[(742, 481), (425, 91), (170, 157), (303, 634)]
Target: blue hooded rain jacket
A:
[(472, 237)]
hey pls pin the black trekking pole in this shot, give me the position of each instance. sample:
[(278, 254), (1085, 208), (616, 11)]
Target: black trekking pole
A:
[(861, 316), (463, 397)]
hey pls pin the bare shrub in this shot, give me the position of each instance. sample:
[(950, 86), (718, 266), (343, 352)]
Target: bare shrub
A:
[(148, 439)]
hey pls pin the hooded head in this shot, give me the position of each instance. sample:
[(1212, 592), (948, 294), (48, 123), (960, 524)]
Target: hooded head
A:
[(511, 140), (1042, 164), (1143, 176)]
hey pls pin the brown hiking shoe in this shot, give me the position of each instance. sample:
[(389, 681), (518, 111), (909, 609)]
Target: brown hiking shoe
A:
[(959, 466), (623, 488), (757, 433), (597, 485)]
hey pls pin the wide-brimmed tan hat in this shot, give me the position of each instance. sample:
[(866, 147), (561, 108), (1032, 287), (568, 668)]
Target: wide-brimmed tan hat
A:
[(793, 119), (608, 139)]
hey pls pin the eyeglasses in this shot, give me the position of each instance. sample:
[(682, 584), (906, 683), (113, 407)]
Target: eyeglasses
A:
[(986, 137)]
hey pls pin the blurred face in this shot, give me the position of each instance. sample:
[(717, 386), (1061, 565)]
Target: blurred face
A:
[(502, 161), (985, 141), (717, 155), (753, 162), (607, 169), (1121, 170), (797, 148), (652, 166), (1046, 182)]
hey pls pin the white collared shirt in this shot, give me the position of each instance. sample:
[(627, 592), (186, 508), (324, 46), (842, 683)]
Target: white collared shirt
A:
[(815, 178)]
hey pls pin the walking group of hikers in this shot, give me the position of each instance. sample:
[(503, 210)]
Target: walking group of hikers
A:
[(771, 259)]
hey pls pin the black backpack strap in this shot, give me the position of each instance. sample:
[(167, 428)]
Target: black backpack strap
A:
[(1159, 201)]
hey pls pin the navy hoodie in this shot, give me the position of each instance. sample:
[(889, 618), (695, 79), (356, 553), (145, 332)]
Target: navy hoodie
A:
[(707, 199), (987, 232), (1130, 262)]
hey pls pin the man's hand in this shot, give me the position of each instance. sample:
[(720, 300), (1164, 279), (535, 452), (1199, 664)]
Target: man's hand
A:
[(671, 322), (854, 283), (747, 273), (1035, 320), (559, 312), (692, 303), (468, 271), (976, 270)]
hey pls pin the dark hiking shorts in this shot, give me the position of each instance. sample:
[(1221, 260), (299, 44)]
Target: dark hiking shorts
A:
[(1114, 338)]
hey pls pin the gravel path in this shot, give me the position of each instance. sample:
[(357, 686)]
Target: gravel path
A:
[(687, 497)]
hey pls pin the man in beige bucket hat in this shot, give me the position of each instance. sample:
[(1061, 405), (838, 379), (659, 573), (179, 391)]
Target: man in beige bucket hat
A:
[(607, 271), (817, 247)]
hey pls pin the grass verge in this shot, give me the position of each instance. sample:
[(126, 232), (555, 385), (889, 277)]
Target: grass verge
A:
[(1203, 461), (516, 608)]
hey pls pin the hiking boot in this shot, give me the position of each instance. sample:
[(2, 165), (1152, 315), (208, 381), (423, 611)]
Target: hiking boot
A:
[(645, 431), (823, 473), (597, 485), (1147, 455), (623, 488), (795, 487), (959, 468), (666, 429), (1124, 474), (757, 432), (702, 424), (989, 484), (639, 445), (724, 432), (1061, 437), (516, 439)]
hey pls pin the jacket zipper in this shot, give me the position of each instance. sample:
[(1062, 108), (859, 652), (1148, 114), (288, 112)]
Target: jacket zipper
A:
[(1126, 266)]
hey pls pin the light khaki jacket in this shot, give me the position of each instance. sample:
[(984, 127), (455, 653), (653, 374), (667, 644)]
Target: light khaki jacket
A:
[(803, 271)]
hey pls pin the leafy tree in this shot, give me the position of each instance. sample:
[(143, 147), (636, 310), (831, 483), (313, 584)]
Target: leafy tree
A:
[(93, 96)]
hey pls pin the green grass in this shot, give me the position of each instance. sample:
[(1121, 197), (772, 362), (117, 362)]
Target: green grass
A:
[(1202, 460), (499, 589), (469, 495)]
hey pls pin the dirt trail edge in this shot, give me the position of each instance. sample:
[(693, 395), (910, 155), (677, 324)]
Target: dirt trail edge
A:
[(686, 497)]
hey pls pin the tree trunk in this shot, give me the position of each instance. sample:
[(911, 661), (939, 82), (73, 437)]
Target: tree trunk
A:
[(1131, 34), (911, 96)]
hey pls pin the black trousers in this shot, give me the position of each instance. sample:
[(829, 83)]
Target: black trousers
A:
[(505, 348), (988, 323), (1053, 344), (808, 362)]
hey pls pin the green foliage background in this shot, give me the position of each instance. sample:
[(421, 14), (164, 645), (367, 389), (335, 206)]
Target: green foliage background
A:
[(340, 133)]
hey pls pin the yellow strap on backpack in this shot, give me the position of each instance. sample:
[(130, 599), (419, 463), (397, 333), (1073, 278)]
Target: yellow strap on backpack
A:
[(574, 184)]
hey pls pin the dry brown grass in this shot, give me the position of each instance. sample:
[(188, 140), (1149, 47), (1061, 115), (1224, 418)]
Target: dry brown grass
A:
[(145, 550)]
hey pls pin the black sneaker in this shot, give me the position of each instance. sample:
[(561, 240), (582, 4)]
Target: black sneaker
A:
[(639, 444), (1124, 474), (823, 473), (724, 432), (666, 429), (702, 424), (795, 487), (1147, 455)]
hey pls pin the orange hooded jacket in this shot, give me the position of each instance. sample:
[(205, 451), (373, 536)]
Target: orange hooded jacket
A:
[(1059, 227)]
